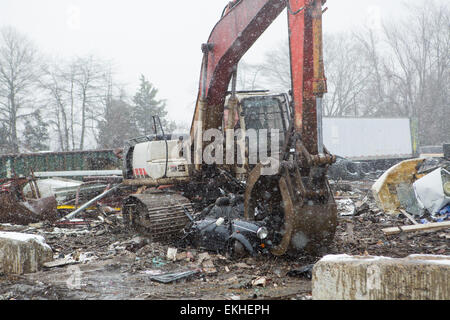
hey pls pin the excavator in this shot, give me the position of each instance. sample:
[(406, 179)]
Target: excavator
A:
[(295, 195)]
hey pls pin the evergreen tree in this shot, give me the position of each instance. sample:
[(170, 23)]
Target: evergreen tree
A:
[(35, 135), (4, 145), (147, 105), (118, 125)]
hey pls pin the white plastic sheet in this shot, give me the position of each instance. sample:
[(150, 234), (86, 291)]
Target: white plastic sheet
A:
[(429, 191)]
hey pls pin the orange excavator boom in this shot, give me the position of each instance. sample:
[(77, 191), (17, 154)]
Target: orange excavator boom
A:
[(242, 23)]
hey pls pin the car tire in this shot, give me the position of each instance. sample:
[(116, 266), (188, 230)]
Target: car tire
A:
[(365, 169), (345, 170), (236, 250), (353, 170)]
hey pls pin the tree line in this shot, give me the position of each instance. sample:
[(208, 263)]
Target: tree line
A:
[(74, 103), (401, 70)]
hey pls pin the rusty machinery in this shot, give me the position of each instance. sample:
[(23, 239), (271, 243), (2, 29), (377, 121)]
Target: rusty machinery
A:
[(298, 195)]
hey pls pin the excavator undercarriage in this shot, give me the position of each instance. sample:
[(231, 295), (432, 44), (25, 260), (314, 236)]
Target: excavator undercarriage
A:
[(159, 215)]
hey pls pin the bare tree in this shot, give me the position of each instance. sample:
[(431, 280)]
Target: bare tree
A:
[(91, 80), (54, 84), (346, 74), (372, 99), (420, 48), (343, 65), (248, 76), (76, 91), (276, 69), (18, 75), (273, 73)]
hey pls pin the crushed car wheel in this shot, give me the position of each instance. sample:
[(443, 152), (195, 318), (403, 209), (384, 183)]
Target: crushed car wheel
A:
[(236, 250)]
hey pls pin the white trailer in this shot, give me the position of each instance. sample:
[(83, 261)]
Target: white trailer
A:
[(368, 138)]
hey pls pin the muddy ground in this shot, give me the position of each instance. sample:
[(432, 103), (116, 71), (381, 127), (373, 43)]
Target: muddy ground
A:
[(116, 264)]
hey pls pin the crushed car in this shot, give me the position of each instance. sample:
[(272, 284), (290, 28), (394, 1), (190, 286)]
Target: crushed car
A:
[(221, 228)]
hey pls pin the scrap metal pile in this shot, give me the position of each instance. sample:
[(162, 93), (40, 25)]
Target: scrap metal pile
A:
[(118, 263), (29, 200), (417, 187), (16, 207)]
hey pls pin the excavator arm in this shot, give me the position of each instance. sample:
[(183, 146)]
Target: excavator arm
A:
[(242, 23), (309, 210), (297, 199)]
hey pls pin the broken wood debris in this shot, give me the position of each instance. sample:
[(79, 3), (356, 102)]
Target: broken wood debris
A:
[(60, 263), (410, 218), (262, 282), (413, 228)]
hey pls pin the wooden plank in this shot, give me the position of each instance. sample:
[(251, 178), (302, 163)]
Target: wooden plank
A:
[(420, 227), (409, 216)]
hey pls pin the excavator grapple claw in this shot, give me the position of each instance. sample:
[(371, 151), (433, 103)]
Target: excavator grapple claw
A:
[(304, 202)]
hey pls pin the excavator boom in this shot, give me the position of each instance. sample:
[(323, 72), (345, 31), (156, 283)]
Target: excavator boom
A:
[(307, 69), (243, 22), (239, 28)]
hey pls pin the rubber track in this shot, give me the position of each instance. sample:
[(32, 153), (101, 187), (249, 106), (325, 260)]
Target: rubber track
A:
[(159, 216)]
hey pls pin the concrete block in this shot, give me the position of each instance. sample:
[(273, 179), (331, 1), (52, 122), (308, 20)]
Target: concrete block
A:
[(416, 277), (22, 253)]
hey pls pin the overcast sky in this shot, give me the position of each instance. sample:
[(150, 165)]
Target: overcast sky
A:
[(160, 39)]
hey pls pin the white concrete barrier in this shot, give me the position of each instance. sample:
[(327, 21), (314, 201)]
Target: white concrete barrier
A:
[(417, 277), (22, 253)]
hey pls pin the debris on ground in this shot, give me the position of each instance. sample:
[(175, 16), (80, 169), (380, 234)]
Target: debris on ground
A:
[(175, 276), (346, 207), (407, 215), (430, 192), (86, 205), (172, 254), (114, 262), (420, 187), (305, 272), (222, 228), (348, 170), (262, 281), (399, 177), (414, 228), (60, 263), (16, 208)]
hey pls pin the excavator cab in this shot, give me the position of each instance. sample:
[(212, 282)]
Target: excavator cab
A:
[(257, 114), (262, 110), (267, 112)]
